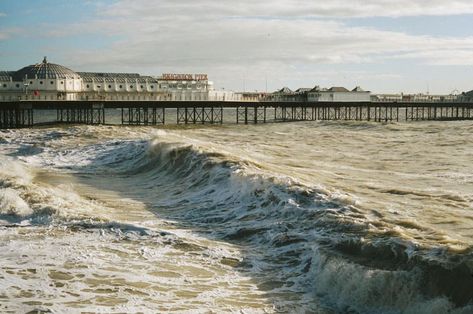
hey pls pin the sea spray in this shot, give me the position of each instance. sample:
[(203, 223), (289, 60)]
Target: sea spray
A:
[(290, 218)]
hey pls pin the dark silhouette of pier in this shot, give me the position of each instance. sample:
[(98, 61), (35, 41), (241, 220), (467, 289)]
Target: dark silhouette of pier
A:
[(21, 114)]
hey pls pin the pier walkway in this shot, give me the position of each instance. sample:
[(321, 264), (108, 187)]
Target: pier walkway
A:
[(22, 114)]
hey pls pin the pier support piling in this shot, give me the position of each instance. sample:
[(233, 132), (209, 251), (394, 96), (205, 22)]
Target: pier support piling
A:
[(143, 116)]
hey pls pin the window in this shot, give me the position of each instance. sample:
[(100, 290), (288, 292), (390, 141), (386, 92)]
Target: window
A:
[(141, 86), (4, 85), (120, 86), (109, 86), (62, 82), (52, 82), (152, 86), (17, 85), (31, 82), (41, 82), (87, 85), (131, 86)]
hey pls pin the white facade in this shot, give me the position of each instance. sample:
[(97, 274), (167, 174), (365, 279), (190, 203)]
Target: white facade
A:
[(189, 89), (338, 94), (222, 95), (47, 81), (414, 97), (40, 89)]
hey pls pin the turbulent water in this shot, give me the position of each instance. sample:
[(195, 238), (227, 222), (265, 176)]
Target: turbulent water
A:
[(309, 217)]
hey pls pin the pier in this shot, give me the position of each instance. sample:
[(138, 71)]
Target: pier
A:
[(22, 114)]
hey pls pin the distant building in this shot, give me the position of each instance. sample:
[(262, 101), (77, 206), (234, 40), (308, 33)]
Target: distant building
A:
[(184, 87), (49, 81), (413, 98), (386, 97), (223, 95), (252, 96), (285, 94), (466, 96), (338, 94)]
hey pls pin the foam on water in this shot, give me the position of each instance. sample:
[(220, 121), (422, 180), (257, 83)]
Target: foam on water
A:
[(222, 227)]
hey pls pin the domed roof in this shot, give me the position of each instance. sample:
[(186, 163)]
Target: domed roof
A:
[(44, 70)]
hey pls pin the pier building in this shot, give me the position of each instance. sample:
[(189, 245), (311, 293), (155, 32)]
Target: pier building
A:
[(466, 96), (338, 94), (318, 94), (88, 97), (48, 81), (414, 97)]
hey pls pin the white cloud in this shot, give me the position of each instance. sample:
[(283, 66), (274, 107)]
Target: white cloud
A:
[(245, 40), (190, 41), (208, 32), (7, 33), (292, 8), (2, 14)]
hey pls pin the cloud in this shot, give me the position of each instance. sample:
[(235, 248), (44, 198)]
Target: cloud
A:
[(8, 33), (2, 14), (442, 57), (211, 33), (292, 8), (187, 40), (249, 40)]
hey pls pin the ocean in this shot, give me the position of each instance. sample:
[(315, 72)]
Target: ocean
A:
[(305, 217)]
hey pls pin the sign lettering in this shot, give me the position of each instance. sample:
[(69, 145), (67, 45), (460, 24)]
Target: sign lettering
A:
[(184, 77)]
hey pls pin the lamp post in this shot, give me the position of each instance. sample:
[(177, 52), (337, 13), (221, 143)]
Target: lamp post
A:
[(26, 89)]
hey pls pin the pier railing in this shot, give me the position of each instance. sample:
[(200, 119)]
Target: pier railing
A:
[(21, 114)]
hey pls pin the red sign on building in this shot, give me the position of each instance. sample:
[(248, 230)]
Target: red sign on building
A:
[(184, 77)]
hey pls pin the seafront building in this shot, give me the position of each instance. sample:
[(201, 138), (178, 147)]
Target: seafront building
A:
[(315, 94), (413, 97), (49, 81)]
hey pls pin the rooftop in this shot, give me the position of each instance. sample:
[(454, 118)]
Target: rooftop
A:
[(44, 70)]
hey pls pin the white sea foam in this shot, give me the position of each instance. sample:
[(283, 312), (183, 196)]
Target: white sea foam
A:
[(232, 219), (11, 203)]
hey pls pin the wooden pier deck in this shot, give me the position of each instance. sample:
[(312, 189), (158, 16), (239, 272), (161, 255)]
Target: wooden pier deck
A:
[(21, 114)]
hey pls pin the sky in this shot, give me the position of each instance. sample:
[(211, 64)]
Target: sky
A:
[(385, 46)]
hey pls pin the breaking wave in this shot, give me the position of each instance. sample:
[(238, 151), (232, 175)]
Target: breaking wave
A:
[(297, 238)]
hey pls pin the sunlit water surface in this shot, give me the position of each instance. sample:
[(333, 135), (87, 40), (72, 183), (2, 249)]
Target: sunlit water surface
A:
[(292, 217)]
